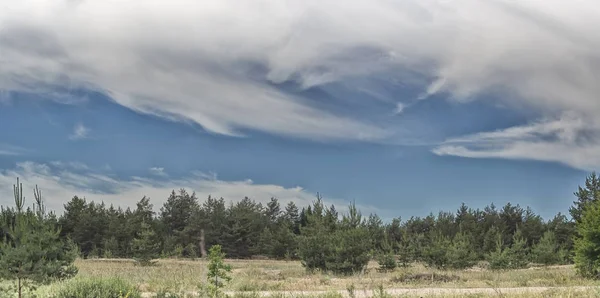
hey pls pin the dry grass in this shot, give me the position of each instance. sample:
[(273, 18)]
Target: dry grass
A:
[(280, 276)]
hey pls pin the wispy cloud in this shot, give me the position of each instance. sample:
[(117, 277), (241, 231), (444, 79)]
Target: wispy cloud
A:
[(399, 108), (538, 55), (543, 53), (158, 171), (79, 132), (569, 140), (6, 149), (60, 184)]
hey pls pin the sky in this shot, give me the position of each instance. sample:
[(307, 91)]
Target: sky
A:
[(405, 107)]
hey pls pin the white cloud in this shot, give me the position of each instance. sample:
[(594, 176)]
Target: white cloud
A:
[(209, 62), (79, 132), (6, 149), (570, 140), (59, 185), (399, 108), (158, 171)]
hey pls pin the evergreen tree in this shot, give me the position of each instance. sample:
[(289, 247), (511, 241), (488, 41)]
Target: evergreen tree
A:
[(460, 255), (587, 244), (31, 251), (436, 254), (546, 251), (585, 196), (218, 271), (145, 246)]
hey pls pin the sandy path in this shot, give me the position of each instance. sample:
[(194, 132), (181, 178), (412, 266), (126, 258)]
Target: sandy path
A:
[(419, 291)]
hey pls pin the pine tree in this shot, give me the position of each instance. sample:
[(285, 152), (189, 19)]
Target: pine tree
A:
[(31, 251), (145, 246), (460, 255), (436, 254), (585, 196), (587, 254), (218, 271), (546, 250)]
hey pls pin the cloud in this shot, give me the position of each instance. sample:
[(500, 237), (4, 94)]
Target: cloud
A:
[(570, 140), (79, 132), (158, 171), (218, 65), (60, 184), (399, 108), (6, 149)]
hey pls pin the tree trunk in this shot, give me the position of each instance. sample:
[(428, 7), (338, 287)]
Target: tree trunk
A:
[(19, 280), (202, 244)]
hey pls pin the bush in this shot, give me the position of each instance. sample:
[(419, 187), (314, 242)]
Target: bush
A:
[(387, 262), (98, 288), (513, 257)]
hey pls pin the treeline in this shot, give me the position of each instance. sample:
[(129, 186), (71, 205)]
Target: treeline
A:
[(319, 235), (246, 229)]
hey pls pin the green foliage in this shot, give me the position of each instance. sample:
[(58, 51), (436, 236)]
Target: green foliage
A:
[(145, 246), (349, 252), (387, 261), (436, 254), (513, 257), (112, 287), (587, 245), (218, 271), (585, 196), (334, 246), (460, 255), (546, 251), (31, 251)]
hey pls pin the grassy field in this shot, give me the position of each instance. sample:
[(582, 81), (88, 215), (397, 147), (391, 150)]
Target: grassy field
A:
[(280, 278)]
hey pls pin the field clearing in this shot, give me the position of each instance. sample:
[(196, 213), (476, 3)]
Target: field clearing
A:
[(254, 278)]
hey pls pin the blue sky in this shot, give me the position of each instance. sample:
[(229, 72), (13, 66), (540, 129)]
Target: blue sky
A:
[(415, 111)]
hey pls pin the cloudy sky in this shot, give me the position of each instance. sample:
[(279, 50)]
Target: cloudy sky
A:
[(405, 106)]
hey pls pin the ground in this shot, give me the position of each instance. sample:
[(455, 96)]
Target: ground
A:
[(252, 278)]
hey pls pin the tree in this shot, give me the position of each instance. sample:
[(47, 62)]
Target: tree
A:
[(31, 251), (585, 196), (513, 257), (145, 245), (587, 244), (460, 255), (336, 247), (436, 254), (546, 251), (218, 271)]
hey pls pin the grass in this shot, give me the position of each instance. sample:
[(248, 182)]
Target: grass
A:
[(252, 276)]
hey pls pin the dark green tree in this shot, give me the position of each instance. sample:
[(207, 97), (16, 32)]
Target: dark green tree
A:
[(587, 244), (31, 251), (585, 195), (546, 251), (145, 246), (460, 254)]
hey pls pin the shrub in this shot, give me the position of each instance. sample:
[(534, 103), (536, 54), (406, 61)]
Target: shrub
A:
[(98, 288), (513, 257), (218, 271), (387, 262)]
